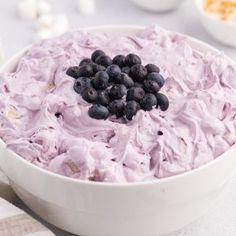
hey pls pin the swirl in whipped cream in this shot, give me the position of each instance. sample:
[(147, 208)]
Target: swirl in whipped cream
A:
[(199, 125)]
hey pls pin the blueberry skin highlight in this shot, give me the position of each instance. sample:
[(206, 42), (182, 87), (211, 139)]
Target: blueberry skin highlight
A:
[(73, 72), (131, 109), (132, 59), (157, 78), (116, 107), (135, 93), (96, 54), (152, 68), (148, 102), (162, 101), (98, 111)]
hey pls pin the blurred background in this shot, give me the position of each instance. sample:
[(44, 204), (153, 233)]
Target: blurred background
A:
[(19, 26), (22, 23)]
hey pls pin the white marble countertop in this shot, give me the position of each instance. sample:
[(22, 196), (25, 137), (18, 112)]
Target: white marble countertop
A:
[(16, 33)]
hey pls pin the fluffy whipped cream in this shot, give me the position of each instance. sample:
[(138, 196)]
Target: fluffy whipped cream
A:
[(199, 125)]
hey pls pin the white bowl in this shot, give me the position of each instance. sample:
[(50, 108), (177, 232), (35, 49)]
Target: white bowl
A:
[(158, 5), (107, 209), (224, 32)]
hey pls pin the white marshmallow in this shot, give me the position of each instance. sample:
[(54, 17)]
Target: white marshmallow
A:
[(86, 7), (60, 24), (27, 9), (43, 33), (44, 21), (51, 25), (43, 7), (31, 9)]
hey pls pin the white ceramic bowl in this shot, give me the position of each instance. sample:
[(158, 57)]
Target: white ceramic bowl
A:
[(224, 32), (158, 5), (106, 209)]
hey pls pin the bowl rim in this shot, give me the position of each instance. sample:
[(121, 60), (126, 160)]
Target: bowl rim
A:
[(199, 6), (118, 184)]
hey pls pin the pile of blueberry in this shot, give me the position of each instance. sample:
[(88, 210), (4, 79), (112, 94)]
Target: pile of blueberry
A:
[(119, 87)]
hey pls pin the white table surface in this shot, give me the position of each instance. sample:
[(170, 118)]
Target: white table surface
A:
[(16, 33)]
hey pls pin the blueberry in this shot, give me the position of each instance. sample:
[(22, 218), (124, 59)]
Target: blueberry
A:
[(85, 61), (137, 84), (131, 109), (151, 86), (119, 60), (58, 114), (116, 107), (125, 69), (116, 80), (157, 78), (160, 132), (135, 93), (73, 71), (138, 73), (162, 101), (132, 59), (89, 94), (96, 54), (98, 111), (152, 68), (113, 71), (82, 83), (104, 61), (126, 80), (101, 80), (97, 68), (85, 71), (148, 102), (103, 97), (117, 91)]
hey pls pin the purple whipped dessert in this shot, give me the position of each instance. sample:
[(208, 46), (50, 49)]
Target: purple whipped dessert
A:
[(47, 123)]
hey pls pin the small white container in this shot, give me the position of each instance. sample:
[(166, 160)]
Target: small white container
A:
[(158, 5), (224, 32)]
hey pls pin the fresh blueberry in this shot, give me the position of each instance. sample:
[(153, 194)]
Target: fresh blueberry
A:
[(85, 71), (151, 86), (160, 132), (113, 71), (89, 94), (132, 59), (58, 114), (98, 111), (104, 61), (73, 71), (85, 61), (96, 54), (116, 107), (152, 68), (101, 80), (162, 101), (81, 84), (138, 73), (119, 60), (125, 70), (117, 91), (116, 80), (148, 102), (157, 78), (126, 80), (103, 97), (131, 109), (135, 93), (137, 84), (97, 68)]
